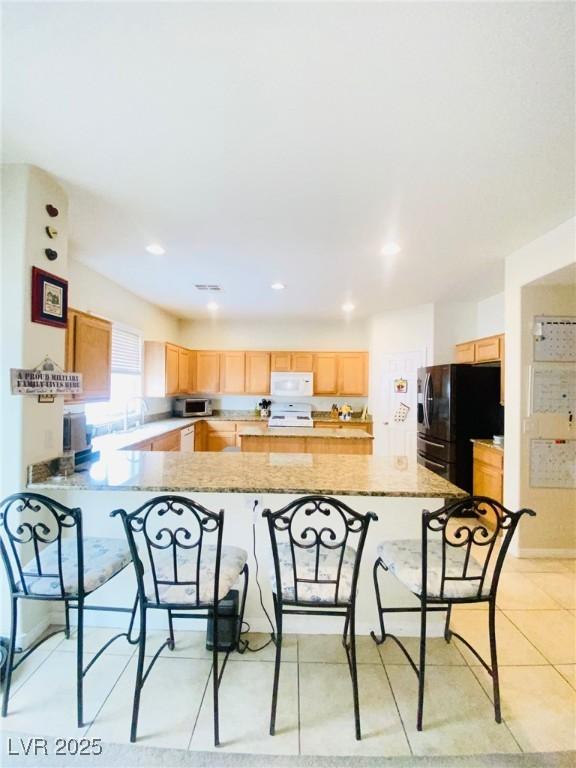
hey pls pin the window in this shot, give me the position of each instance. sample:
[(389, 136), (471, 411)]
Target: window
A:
[(126, 380)]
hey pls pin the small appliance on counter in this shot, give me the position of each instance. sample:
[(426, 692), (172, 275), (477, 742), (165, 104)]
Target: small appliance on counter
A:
[(291, 415), (187, 407), (78, 439)]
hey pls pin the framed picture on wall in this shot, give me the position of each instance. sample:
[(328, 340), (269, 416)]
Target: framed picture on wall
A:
[(49, 299)]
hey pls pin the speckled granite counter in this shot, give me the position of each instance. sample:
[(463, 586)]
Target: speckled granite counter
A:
[(256, 473), (323, 432)]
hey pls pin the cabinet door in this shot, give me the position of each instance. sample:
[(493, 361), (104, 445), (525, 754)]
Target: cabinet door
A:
[(200, 436), (232, 372), (169, 442), (352, 374), (302, 362), (93, 355), (465, 353), (487, 350), (280, 361), (183, 371), (172, 369), (487, 481), (325, 373), (217, 441), (207, 372), (191, 371), (257, 373)]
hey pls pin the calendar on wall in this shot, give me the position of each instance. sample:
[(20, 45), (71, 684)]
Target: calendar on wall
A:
[(554, 339), (553, 463), (553, 390)]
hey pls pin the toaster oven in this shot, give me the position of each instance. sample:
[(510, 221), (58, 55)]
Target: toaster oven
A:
[(186, 407)]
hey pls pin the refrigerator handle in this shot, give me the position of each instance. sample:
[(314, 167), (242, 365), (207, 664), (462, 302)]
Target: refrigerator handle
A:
[(426, 413)]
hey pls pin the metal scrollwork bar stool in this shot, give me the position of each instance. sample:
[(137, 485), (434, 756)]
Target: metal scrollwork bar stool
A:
[(46, 558), (457, 561), (315, 571), (179, 571)]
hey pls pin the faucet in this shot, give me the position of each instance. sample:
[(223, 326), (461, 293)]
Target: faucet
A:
[(140, 416)]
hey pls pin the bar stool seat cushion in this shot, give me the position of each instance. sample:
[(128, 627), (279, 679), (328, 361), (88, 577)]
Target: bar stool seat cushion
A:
[(232, 561), (103, 559), (403, 558), (312, 591)]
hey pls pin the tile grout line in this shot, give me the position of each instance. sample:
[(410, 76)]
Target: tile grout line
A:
[(529, 641), (298, 692), (100, 708), (395, 702), (188, 748), (492, 705)]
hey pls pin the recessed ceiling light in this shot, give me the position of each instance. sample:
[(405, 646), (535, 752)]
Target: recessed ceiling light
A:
[(212, 305), (348, 307), (391, 249), (278, 286), (156, 249)]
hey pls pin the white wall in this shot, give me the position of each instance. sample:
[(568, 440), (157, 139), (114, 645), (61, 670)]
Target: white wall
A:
[(454, 322), (490, 316), (31, 431), (552, 252), (346, 334)]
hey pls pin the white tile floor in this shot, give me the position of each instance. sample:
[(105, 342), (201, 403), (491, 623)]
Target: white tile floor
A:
[(536, 627)]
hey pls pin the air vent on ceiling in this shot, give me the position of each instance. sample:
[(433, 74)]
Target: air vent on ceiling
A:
[(201, 287)]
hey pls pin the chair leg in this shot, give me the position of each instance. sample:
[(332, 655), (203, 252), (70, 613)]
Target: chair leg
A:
[(172, 643), (80, 664), (278, 611), (67, 619), (139, 672), (215, 683), (494, 659), (379, 605), (10, 658), (422, 665), (447, 633), (354, 671)]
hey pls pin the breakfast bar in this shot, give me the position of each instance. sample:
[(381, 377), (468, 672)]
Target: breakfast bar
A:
[(396, 489)]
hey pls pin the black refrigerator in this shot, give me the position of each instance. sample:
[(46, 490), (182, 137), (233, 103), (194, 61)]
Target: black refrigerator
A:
[(456, 403)]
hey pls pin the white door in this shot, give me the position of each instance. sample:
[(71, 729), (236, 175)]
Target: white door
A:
[(394, 426)]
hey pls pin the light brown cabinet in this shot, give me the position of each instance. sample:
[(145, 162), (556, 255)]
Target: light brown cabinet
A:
[(487, 350), (488, 471), (326, 373), (169, 442), (257, 379), (465, 353), (232, 372), (301, 362), (89, 352), (166, 369), (207, 371), (353, 374)]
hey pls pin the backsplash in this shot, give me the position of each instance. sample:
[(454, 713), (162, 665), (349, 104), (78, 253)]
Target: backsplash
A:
[(249, 402)]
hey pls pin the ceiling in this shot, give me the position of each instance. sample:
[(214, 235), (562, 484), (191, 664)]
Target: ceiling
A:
[(289, 141)]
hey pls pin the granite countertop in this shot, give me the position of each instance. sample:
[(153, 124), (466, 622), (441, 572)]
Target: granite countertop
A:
[(324, 432), (119, 440), (487, 442), (297, 473)]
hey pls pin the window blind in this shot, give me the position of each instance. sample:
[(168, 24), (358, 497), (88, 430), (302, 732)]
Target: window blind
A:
[(126, 351)]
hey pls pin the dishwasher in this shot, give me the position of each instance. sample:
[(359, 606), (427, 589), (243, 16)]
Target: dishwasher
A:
[(187, 439)]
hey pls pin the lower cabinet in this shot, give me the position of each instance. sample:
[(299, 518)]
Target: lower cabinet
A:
[(488, 471)]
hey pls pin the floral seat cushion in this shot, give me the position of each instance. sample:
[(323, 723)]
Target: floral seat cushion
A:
[(103, 559), (404, 559), (314, 591), (232, 561)]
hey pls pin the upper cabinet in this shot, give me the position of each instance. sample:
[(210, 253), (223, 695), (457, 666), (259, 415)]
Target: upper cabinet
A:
[(487, 350), (326, 373), (301, 362), (89, 352), (167, 369), (257, 380), (353, 374), (207, 372), (232, 367)]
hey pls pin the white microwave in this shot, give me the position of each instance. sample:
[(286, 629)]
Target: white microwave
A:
[(292, 384), (192, 406)]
